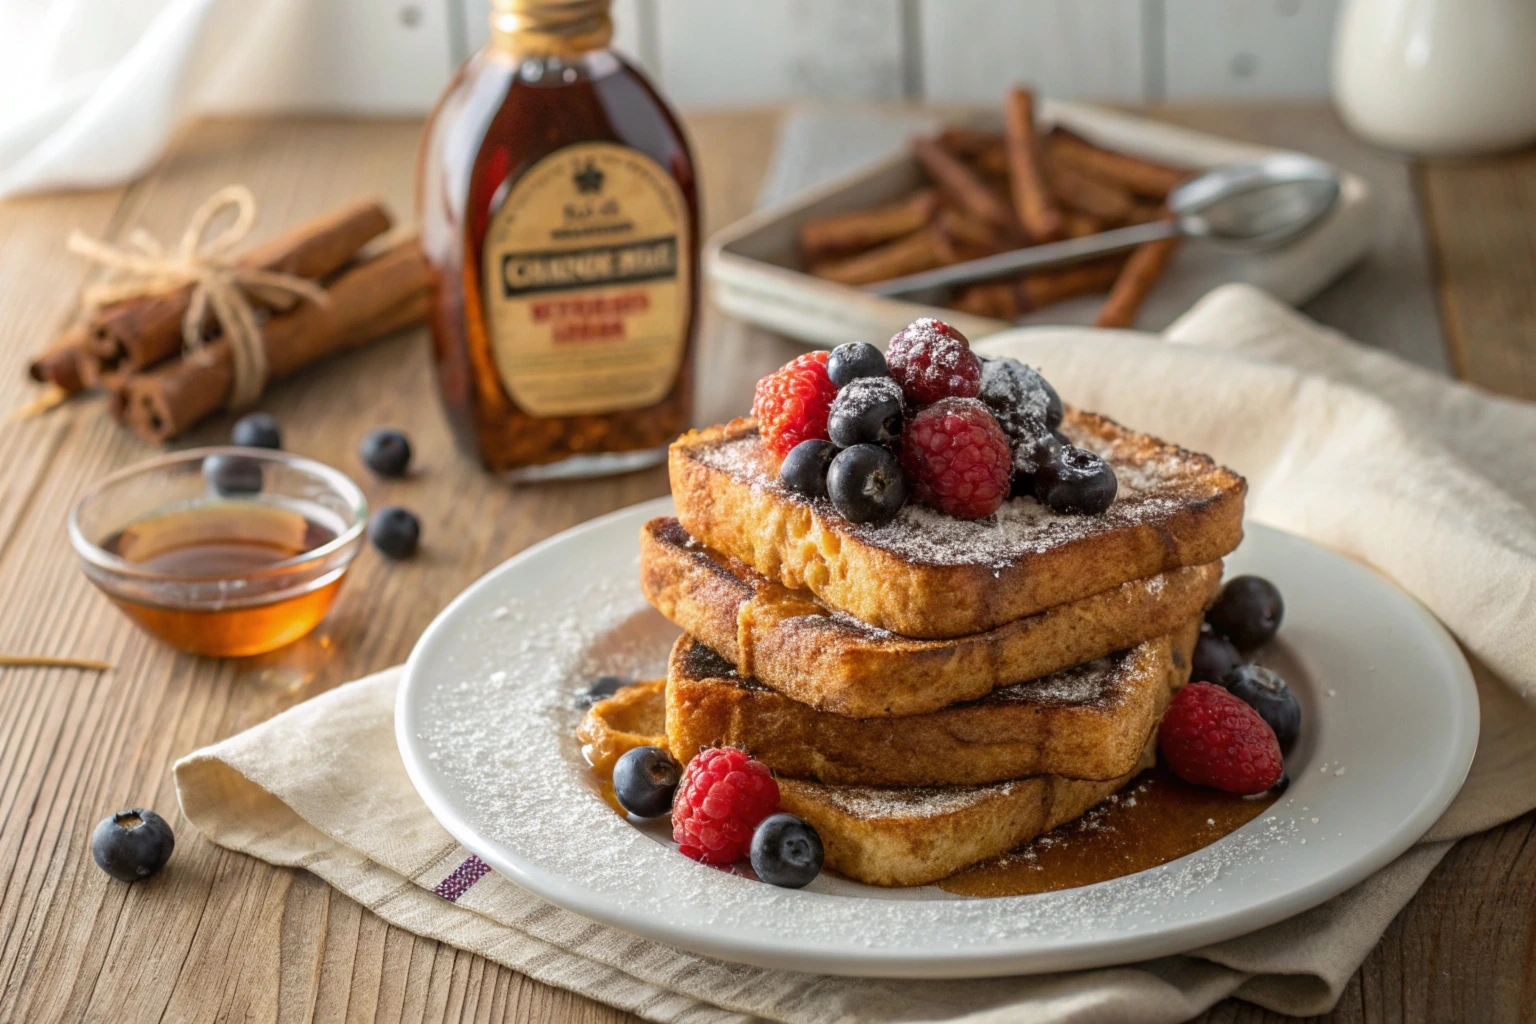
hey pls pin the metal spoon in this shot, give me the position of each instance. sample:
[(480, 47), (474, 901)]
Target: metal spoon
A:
[(1246, 207)]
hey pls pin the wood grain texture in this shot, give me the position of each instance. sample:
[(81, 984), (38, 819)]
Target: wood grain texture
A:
[(1482, 217), (973, 50), (223, 936)]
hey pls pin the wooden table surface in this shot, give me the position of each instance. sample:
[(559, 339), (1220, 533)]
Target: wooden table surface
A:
[(223, 936)]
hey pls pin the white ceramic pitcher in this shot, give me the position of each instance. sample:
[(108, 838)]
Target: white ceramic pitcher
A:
[(1437, 76)]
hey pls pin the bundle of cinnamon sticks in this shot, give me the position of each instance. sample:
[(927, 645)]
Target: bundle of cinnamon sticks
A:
[(990, 192), (133, 349)]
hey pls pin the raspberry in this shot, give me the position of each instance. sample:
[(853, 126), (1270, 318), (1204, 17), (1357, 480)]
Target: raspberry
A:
[(792, 402), (931, 360), (721, 799), (956, 458), (1211, 738)]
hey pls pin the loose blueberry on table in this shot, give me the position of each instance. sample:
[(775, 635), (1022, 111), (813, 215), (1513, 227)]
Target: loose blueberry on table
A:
[(959, 433), (132, 845), (395, 532), (387, 452), (256, 430), (230, 475)]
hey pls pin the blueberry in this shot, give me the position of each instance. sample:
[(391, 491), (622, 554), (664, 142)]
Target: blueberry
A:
[(856, 359), (386, 452), (232, 474), (1017, 395), (804, 469), (602, 688), (1247, 611), (1055, 412), (1282, 784), (1265, 692), (133, 844), (866, 411), (1060, 437), (644, 779), (1215, 657), (786, 851), (258, 430), (1029, 458), (1079, 482), (866, 484), (395, 532)]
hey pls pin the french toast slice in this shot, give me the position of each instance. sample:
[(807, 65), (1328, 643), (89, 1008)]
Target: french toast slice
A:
[(890, 836), (1087, 722), (932, 576), (901, 836), (796, 645)]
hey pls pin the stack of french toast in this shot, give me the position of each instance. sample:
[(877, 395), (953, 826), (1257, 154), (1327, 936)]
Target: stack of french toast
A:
[(931, 688)]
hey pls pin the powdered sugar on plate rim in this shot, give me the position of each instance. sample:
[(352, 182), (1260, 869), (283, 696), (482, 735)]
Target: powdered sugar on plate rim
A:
[(486, 709)]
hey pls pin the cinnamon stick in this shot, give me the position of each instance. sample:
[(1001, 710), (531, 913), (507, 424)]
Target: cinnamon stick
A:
[(1007, 300), (138, 333), (1110, 203), (60, 364), (1144, 177), (1078, 224), (969, 143), (844, 233), (383, 295), (1032, 199), (923, 249), (962, 186), (1145, 265), (965, 231)]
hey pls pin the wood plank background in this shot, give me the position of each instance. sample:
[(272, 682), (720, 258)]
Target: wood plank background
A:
[(394, 55), (224, 937)]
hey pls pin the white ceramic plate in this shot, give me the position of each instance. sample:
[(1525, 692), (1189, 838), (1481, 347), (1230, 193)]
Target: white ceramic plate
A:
[(486, 713)]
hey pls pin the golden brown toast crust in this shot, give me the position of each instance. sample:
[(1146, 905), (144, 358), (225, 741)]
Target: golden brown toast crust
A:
[(890, 836), (928, 575), (790, 641), (1088, 722), (914, 836)]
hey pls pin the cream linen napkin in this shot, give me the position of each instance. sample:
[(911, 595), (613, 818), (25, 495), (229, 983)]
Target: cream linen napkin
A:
[(1432, 482)]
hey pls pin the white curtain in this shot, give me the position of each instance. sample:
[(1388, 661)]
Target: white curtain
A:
[(92, 90)]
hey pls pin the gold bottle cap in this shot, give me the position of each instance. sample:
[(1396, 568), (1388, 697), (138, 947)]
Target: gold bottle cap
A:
[(539, 27)]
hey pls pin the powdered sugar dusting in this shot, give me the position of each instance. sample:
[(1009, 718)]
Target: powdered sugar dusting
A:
[(1089, 683), (875, 802), (1151, 488)]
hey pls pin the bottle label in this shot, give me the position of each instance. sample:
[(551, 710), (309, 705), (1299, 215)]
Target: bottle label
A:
[(588, 282)]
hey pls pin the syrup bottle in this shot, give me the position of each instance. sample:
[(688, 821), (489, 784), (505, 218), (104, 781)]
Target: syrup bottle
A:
[(558, 212)]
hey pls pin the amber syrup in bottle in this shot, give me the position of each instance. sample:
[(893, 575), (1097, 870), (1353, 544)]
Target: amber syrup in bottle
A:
[(234, 540), (559, 214)]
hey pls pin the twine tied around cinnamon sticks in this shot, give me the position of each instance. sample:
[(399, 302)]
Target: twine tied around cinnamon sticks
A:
[(220, 284)]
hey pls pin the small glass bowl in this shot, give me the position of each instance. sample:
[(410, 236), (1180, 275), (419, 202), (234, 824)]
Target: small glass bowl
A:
[(217, 562)]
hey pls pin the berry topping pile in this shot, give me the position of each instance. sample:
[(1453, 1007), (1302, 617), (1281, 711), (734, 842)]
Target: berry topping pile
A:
[(929, 420), (723, 796), (791, 404)]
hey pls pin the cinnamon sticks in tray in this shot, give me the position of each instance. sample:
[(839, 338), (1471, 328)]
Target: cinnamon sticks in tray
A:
[(989, 192), (356, 288)]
